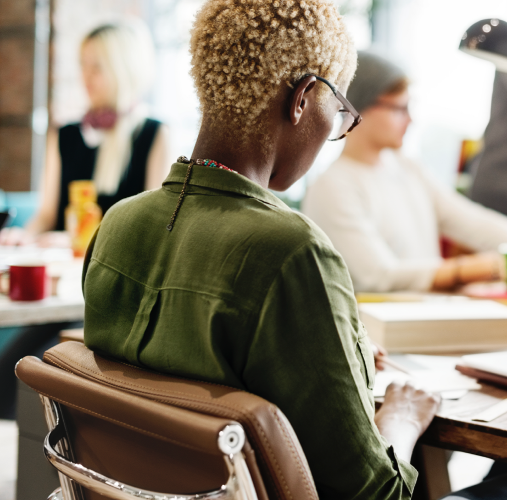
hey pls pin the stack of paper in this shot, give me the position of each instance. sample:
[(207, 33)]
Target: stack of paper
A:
[(437, 326)]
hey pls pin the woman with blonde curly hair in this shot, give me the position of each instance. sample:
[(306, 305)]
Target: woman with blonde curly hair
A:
[(213, 278)]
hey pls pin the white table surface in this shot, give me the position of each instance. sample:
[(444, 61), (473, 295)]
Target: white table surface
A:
[(67, 305), (50, 310)]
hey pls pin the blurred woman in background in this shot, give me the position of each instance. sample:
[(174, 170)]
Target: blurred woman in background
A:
[(384, 214), (116, 145)]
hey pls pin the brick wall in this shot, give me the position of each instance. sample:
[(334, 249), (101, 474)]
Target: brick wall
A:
[(71, 20), (17, 28)]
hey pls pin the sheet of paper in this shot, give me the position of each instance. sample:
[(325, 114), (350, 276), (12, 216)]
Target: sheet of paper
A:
[(495, 411), (445, 382)]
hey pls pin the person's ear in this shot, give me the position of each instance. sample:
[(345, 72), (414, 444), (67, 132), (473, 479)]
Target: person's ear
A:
[(299, 98)]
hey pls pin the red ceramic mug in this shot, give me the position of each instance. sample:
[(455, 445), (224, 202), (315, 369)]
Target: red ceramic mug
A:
[(28, 282)]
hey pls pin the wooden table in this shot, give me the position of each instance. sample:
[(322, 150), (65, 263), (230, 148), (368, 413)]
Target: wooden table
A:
[(454, 429)]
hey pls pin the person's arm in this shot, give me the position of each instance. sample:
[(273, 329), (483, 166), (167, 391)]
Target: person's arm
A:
[(471, 225), (45, 218), (464, 221), (457, 271), (159, 159), (340, 210), (310, 356), (88, 258)]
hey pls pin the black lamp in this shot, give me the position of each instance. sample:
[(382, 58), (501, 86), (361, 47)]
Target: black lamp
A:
[(487, 39)]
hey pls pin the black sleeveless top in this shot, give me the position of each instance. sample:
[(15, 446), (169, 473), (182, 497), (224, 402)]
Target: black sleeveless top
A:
[(78, 163)]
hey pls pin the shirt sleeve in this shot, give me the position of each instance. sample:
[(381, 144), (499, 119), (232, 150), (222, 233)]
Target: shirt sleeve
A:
[(311, 357), (464, 221), (342, 213)]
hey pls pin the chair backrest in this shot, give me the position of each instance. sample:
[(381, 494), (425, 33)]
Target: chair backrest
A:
[(159, 433)]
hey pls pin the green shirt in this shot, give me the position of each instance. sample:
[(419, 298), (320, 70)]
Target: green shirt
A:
[(247, 293)]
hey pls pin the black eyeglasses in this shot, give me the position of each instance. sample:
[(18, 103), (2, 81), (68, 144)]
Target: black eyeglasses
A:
[(347, 118)]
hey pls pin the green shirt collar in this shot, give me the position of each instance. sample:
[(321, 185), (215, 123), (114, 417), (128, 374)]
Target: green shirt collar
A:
[(221, 180)]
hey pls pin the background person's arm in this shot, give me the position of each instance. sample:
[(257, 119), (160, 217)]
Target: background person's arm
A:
[(469, 224), (457, 271), (45, 218), (464, 221), (311, 357)]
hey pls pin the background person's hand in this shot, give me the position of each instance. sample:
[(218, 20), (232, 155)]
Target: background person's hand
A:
[(53, 239), (404, 416), (484, 266), (458, 271), (15, 236)]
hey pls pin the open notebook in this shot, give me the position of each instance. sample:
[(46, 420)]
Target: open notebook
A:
[(431, 373), (490, 367), (446, 382)]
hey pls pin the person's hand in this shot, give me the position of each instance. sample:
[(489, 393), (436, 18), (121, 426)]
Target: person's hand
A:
[(485, 266), (408, 404), (15, 236), (379, 353), (53, 239), (404, 416)]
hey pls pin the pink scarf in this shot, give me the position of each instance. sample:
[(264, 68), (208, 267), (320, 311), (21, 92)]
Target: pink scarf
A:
[(104, 118)]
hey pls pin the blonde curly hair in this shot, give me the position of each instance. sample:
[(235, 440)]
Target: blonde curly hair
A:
[(243, 50)]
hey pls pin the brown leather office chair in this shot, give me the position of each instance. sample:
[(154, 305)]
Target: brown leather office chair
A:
[(122, 432)]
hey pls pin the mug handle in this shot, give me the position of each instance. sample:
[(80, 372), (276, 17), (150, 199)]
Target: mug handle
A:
[(4, 281)]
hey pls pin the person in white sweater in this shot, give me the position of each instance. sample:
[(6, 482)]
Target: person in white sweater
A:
[(384, 214)]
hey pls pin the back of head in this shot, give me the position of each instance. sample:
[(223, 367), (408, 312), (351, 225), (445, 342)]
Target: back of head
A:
[(374, 77), (244, 50)]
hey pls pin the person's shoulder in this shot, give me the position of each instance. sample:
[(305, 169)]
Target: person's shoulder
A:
[(153, 122), (414, 170), (333, 189), (152, 126), (285, 229), (297, 242), (134, 205), (342, 172), (70, 129), (71, 126), (403, 161)]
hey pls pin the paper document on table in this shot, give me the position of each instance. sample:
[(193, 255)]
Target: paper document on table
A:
[(495, 411), (441, 381)]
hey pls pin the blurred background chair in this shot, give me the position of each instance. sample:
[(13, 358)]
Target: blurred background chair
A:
[(114, 425), (22, 205)]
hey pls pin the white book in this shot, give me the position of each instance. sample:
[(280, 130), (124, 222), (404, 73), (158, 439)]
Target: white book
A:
[(447, 326), (493, 362)]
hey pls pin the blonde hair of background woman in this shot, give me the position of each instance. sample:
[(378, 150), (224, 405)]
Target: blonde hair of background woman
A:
[(127, 51)]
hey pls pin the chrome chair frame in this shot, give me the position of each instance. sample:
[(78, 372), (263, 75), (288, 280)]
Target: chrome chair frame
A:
[(73, 476)]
